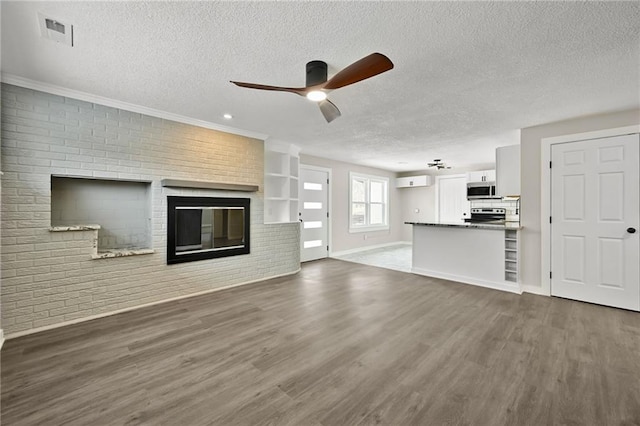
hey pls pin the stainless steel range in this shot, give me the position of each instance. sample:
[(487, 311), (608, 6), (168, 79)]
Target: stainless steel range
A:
[(487, 215)]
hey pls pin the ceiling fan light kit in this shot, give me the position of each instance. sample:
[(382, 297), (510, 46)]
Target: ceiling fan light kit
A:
[(317, 85), (316, 95)]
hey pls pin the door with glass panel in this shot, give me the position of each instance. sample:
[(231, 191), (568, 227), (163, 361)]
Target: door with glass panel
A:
[(314, 212)]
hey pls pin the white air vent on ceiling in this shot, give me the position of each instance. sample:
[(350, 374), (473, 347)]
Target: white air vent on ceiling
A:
[(55, 30)]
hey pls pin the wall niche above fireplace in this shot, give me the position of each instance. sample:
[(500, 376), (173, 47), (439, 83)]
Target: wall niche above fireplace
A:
[(201, 228)]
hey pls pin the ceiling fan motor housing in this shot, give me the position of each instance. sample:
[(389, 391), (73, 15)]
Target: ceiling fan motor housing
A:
[(316, 73)]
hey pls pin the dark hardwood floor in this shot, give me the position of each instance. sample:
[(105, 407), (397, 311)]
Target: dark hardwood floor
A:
[(337, 344)]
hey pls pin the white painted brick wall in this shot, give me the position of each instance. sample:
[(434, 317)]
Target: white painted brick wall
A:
[(49, 277)]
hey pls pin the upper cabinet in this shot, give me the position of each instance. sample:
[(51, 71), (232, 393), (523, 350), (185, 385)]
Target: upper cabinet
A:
[(281, 168), (413, 181), (482, 176), (508, 171)]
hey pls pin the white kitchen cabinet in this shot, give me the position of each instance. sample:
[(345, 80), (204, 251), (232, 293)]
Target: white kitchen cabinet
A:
[(412, 181), (281, 169), (508, 170), (475, 176), (482, 176)]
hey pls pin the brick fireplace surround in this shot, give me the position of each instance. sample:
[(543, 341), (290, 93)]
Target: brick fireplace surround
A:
[(54, 276)]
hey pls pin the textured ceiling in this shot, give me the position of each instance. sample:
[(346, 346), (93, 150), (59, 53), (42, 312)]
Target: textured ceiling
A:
[(467, 75)]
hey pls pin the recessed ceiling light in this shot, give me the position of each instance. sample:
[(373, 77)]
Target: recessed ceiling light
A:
[(228, 116)]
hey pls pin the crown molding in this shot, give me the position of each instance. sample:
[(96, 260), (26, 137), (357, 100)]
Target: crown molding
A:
[(96, 99)]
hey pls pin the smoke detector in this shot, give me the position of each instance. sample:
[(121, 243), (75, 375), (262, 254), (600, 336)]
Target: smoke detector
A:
[(56, 30)]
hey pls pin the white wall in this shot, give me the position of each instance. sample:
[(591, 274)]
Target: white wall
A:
[(530, 174), (49, 278), (341, 239)]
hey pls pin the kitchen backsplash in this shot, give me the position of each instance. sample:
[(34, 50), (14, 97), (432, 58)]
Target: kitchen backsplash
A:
[(512, 207)]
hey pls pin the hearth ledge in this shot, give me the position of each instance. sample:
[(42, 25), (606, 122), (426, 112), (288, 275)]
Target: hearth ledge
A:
[(74, 228), (121, 253)]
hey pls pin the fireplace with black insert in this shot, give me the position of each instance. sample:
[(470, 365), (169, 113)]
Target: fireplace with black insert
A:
[(201, 228)]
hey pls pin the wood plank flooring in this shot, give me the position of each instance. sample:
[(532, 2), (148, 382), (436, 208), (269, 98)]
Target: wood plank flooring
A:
[(337, 344)]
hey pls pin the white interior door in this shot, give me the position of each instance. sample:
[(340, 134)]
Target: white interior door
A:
[(314, 212), (453, 205), (595, 252)]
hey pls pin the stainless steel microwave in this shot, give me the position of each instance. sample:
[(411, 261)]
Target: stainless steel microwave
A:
[(480, 190)]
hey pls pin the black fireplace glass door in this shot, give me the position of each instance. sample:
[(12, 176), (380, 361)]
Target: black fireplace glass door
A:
[(188, 225)]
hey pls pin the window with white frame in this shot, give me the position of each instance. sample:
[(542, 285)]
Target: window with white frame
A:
[(369, 203)]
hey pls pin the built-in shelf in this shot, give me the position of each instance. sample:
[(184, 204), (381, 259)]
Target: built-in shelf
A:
[(281, 168), (511, 255), (179, 183)]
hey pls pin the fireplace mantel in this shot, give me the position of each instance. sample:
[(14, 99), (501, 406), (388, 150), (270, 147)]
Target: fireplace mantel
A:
[(178, 183)]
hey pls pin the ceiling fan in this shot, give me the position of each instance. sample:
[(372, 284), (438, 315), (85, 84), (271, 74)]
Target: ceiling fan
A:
[(438, 164), (318, 86)]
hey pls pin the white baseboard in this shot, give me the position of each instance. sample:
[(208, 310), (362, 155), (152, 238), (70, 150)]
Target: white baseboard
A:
[(365, 248), (133, 308), (1, 338), (534, 290), (503, 286)]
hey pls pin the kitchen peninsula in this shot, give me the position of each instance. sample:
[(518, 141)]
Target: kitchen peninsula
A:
[(472, 253)]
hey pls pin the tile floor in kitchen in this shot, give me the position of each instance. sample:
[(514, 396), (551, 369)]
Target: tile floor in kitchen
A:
[(396, 257)]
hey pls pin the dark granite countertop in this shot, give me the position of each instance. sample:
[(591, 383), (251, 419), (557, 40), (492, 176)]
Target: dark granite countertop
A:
[(496, 226)]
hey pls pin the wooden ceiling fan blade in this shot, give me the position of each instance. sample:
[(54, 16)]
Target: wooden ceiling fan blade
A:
[(302, 91), (367, 67), (329, 110)]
